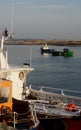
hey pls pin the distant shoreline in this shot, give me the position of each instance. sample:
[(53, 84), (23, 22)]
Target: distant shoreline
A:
[(41, 42)]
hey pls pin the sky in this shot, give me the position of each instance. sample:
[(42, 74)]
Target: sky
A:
[(42, 19)]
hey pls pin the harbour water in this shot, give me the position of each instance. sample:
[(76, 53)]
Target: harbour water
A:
[(51, 71)]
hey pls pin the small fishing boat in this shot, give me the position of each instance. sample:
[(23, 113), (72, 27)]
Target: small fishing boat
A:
[(14, 110), (65, 53), (11, 98), (56, 53), (45, 49)]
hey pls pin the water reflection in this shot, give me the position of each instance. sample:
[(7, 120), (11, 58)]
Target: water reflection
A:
[(45, 55)]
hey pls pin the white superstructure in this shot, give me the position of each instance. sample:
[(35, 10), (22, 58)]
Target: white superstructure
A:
[(45, 47), (16, 74)]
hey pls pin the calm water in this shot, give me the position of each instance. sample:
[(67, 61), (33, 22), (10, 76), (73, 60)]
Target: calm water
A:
[(49, 70)]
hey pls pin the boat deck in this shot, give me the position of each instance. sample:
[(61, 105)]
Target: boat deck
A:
[(54, 111), (53, 104)]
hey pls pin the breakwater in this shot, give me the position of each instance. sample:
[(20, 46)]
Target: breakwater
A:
[(39, 42)]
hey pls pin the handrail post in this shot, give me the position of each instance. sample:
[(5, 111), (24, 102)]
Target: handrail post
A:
[(14, 119)]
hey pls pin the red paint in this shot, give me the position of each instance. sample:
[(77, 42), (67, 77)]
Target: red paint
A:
[(40, 127), (73, 124)]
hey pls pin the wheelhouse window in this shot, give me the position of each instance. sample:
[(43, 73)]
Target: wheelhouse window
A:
[(4, 94)]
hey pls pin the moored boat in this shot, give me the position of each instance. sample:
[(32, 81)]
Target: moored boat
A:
[(43, 105), (56, 53), (17, 75), (45, 49), (65, 53), (56, 108)]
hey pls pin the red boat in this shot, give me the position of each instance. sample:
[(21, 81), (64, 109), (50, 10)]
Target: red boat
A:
[(55, 109)]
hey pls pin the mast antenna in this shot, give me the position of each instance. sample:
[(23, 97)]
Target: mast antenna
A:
[(12, 13), (31, 56)]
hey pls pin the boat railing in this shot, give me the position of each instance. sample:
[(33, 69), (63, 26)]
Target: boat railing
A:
[(57, 91), (26, 118), (63, 95)]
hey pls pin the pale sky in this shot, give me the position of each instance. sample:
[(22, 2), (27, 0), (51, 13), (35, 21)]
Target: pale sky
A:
[(42, 19)]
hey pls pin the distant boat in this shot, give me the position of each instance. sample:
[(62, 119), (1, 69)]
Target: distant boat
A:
[(45, 49), (66, 53)]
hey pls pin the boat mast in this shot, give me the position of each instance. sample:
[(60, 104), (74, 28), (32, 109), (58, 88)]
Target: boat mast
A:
[(31, 57), (4, 37), (3, 57), (12, 13)]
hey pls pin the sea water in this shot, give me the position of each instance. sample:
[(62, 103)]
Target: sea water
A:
[(51, 71)]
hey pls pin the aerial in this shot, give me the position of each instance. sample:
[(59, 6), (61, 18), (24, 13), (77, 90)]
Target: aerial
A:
[(42, 19)]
